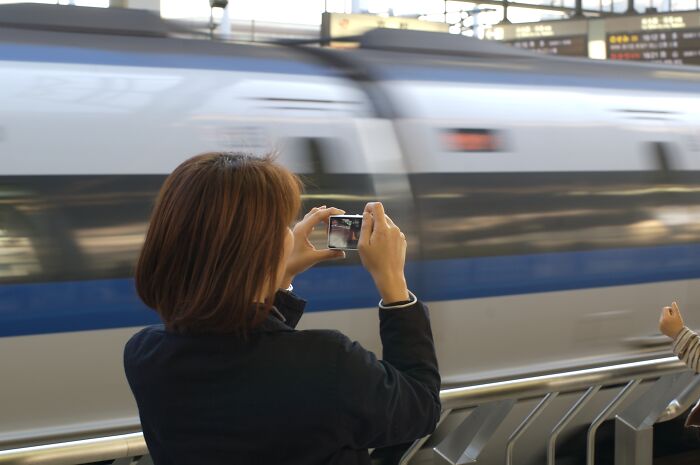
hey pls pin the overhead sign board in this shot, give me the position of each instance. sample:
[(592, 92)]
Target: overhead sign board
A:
[(347, 25), (672, 38), (568, 38)]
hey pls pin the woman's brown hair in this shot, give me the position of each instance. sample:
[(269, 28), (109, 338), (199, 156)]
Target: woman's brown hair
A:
[(215, 242)]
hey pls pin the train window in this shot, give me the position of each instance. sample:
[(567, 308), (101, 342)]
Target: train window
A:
[(56, 228), (329, 175), (18, 256), (472, 140), (74, 227), (485, 214)]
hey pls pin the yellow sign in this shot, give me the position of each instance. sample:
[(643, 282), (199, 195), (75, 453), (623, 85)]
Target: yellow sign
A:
[(347, 25)]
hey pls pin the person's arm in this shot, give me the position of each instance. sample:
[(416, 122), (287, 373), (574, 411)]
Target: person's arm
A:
[(687, 347), (686, 343), (397, 399), (302, 257)]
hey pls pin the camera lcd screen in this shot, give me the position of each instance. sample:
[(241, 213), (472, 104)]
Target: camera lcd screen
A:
[(344, 231)]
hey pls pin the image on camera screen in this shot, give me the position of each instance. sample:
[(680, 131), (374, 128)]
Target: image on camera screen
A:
[(344, 233)]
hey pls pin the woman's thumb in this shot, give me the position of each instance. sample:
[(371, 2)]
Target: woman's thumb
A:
[(676, 309), (330, 254)]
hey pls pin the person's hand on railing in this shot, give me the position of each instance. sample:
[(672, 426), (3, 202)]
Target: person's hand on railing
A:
[(671, 321), (382, 250), (304, 255)]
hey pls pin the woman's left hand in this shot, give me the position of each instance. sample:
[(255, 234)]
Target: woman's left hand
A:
[(304, 255)]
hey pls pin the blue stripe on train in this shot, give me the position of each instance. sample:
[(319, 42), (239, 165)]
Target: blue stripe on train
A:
[(40, 308)]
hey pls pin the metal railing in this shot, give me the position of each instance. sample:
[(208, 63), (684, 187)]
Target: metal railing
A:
[(130, 446), (673, 391)]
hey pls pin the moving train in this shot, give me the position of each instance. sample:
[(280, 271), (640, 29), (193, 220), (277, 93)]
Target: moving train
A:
[(552, 205)]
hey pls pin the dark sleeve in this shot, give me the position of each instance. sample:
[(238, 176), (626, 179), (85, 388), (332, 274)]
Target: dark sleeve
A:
[(290, 306), (397, 399)]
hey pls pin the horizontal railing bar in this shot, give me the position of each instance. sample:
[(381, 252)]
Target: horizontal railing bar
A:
[(75, 452), (70, 432), (468, 396), (133, 444)]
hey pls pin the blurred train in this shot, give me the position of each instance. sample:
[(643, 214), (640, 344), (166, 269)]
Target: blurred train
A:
[(552, 205)]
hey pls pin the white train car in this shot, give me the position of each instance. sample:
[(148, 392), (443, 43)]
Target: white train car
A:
[(551, 204)]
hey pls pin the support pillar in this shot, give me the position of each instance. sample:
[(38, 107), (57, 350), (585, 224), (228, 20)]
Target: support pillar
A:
[(505, 19)]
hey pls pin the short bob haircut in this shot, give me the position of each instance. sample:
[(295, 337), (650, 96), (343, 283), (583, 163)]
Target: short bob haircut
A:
[(215, 242)]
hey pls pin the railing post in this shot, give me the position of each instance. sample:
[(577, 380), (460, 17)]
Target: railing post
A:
[(633, 446), (465, 443), (415, 447), (634, 427), (525, 424), (602, 416), (559, 427)]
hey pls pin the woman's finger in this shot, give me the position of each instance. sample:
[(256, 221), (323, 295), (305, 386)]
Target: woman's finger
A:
[(323, 214), (378, 215), (335, 211), (366, 230), (319, 216), (313, 210)]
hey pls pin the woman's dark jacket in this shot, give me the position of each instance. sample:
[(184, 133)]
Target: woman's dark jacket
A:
[(284, 396)]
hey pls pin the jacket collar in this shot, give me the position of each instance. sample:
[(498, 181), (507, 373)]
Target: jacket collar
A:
[(274, 322)]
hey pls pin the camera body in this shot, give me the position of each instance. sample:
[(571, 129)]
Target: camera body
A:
[(344, 231)]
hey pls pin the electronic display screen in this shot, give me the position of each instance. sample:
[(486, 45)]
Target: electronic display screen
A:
[(574, 46), (565, 38), (672, 38), (681, 47)]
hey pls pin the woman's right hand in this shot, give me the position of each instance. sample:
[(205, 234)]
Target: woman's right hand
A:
[(382, 248), (671, 321)]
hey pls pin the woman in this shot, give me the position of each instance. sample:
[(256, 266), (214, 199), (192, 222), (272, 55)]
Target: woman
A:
[(227, 379)]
